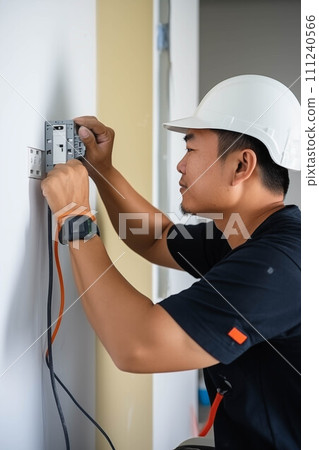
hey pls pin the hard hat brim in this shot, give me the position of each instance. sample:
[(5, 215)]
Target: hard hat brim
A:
[(183, 125)]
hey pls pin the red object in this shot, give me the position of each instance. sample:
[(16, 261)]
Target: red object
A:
[(61, 283), (212, 414), (237, 335)]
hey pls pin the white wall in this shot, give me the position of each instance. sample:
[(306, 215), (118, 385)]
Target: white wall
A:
[(47, 71)]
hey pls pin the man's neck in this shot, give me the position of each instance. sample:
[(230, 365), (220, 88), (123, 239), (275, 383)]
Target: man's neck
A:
[(239, 226)]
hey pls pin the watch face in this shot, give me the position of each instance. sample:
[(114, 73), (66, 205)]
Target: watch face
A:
[(78, 228)]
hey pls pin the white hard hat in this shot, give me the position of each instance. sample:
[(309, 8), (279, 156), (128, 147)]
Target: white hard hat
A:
[(254, 105)]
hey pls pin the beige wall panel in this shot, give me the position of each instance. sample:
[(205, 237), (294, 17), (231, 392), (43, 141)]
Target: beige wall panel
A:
[(124, 90)]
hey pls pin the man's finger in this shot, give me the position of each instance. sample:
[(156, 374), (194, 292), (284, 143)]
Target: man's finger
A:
[(86, 135), (73, 162), (100, 131), (92, 123)]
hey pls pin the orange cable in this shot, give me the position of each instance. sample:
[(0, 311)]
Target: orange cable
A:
[(62, 296), (59, 270), (212, 414), (61, 283)]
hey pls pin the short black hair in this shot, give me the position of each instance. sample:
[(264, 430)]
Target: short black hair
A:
[(274, 177)]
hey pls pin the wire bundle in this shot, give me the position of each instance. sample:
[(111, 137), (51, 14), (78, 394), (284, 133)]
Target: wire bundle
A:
[(51, 336)]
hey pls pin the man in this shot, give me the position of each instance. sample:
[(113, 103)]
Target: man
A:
[(241, 320)]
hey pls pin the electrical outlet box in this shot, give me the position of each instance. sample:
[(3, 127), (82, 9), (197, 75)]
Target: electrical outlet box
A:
[(61, 143)]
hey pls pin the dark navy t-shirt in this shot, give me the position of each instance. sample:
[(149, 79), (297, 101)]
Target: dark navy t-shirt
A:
[(245, 311)]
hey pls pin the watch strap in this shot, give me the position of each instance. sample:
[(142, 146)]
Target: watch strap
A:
[(80, 227)]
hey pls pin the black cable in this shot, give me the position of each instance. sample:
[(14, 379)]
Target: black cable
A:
[(49, 357), (49, 360), (84, 412)]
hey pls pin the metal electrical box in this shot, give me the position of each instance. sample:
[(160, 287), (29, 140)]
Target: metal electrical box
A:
[(61, 143)]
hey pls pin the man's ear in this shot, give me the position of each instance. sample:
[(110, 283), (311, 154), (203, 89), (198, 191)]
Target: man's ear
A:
[(244, 165)]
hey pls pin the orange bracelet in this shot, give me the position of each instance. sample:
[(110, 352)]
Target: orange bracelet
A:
[(72, 213)]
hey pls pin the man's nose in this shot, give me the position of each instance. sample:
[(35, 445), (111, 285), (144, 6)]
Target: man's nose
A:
[(181, 166)]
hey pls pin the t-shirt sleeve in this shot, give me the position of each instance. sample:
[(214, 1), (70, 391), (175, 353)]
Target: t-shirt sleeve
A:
[(240, 301), (196, 248)]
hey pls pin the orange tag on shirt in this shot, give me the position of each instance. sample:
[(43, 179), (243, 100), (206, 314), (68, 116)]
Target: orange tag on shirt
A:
[(237, 335)]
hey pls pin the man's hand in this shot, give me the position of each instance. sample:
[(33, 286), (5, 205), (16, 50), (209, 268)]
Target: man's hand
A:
[(98, 140), (66, 184)]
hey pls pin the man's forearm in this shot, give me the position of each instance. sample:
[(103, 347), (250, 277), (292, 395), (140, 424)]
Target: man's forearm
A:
[(114, 308), (121, 200), (128, 210)]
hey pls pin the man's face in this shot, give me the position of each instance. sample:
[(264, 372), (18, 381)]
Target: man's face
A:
[(204, 177)]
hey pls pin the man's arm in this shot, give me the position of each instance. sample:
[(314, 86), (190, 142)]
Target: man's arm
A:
[(139, 336), (122, 202)]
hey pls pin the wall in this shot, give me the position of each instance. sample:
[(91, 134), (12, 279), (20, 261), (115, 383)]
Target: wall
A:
[(261, 37), (176, 81), (124, 33), (47, 71)]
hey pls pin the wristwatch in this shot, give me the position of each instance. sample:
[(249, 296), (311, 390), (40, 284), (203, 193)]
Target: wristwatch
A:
[(78, 228)]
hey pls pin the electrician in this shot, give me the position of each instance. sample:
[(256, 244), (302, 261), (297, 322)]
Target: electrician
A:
[(240, 320)]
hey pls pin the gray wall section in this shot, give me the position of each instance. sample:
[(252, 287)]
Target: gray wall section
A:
[(251, 36)]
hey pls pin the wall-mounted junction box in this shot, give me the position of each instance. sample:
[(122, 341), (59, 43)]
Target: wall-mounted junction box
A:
[(61, 143)]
